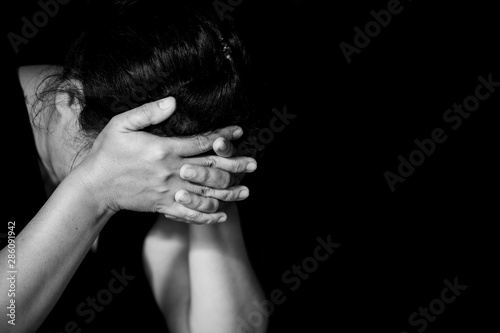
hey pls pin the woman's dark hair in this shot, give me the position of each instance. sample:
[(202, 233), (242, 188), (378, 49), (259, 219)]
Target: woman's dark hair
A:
[(136, 52)]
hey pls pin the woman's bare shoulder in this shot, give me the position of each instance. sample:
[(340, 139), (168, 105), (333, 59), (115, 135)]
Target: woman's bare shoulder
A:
[(31, 76)]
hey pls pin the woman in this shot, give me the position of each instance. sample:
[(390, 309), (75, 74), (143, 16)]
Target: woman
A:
[(85, 262)]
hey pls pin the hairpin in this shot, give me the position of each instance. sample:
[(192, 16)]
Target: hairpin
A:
[(226, 49)]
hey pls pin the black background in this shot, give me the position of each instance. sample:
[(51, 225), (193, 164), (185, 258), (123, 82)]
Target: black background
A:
[(323, 175)]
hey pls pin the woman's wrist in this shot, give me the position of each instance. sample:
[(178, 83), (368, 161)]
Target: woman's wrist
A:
[(81, 189)]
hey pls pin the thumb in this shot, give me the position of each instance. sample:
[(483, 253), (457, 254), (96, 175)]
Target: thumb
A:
[(148, 114)]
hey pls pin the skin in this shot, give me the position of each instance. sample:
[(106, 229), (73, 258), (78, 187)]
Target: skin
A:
[(127, 168), (200, 275)]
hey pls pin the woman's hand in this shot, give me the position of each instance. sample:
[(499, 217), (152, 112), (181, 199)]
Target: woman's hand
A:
[(130, 169), (216, 172)]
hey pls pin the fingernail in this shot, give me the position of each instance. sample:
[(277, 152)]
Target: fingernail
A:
[(238, 132), (251, 166), (222, 219), (244, 194), (223, 145), (188, 173), (166, 103), (184, 198)]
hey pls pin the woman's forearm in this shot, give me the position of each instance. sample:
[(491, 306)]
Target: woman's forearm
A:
[(223, 285), (48, 251)]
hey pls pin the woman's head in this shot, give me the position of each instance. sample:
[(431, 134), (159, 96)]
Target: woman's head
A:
[(139, 51)]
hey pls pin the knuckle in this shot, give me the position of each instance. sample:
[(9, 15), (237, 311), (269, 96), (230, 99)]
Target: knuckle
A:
[(231, 196), (225, 195), (156, 153), (203, 142), (197, 202), (223, 179), (239, 166), (210, 220), (144, 110), (204, 175), (159, 208), (211, 162), (211, 193), (204, 191), (166, 174), (115, 120), (193, 216)]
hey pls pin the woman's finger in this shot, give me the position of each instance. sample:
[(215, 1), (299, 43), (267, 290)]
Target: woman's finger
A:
[(234, 193), (178, 212), (224, 148), (202, 143), (196, 202), (233, 164), (209, 177), (146, 115)]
